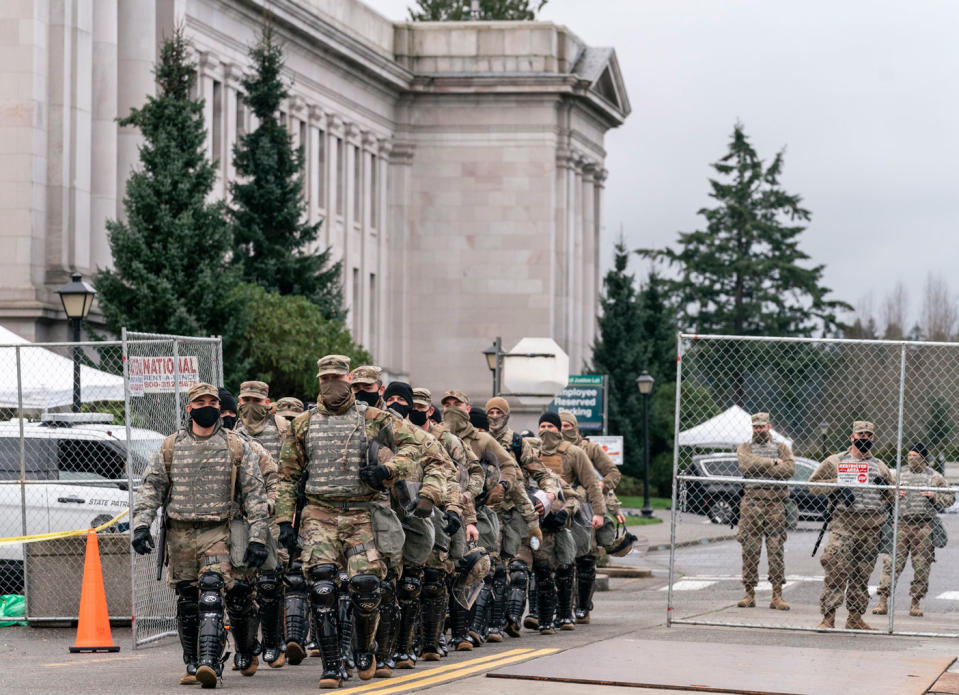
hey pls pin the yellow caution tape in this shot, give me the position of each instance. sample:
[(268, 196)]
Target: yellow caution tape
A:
[(37, 537)]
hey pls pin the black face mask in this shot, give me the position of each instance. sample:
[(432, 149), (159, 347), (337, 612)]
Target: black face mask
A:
[(368, 397), (229, 421), (205, 416), (863, 445), (418, 417), (400, 409)]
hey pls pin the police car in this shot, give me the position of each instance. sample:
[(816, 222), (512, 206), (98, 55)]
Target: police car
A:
[(75, 473)]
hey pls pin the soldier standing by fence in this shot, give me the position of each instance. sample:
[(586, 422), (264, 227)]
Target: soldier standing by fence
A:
[(762, 511)]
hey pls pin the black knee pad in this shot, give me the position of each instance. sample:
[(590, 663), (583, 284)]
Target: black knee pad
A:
[(211, 589), (323, 594), (239, 597), (518, 574), (565, 572), (268, 584), (408, 586), (499, 573), (387, 591), (541, 570), (295, 582), (585, 561), (365, 593), (323, 573)]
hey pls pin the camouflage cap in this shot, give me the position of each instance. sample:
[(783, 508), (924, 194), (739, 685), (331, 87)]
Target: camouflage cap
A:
[(202, 389), (761, 419), (254, 389), (566, 416), (422, 396), (457, 394), (863, 426), (289, 406), (333, 364), (367, 374)]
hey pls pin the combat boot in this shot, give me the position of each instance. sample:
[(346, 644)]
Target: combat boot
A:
[(855, 622), (882, 607), (749, 600), (828, 620), (914, 610), (776, 602)]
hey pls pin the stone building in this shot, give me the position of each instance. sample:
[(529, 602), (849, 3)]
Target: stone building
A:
[(458, 168)]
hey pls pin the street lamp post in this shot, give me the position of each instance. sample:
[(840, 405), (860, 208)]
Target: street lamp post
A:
[(645, 384), (493, 354), (824, 431), (77, 298)]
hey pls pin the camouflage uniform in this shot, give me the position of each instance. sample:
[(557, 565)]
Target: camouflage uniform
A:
[(916, 515), (609, 476), (762, 511), (337, 529), (195, 478), (853, 542), (289, 407), (571, 465)]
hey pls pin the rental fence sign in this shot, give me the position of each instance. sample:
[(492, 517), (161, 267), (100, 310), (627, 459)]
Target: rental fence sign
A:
[(158, 374), (584, 397)]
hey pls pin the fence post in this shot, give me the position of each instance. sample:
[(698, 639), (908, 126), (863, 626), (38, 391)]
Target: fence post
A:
[(23, 457), (125, 359), (176, 381), (219, 360), (674, 510), (895, 499)]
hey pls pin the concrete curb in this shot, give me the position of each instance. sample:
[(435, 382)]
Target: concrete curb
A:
[(698, 541)]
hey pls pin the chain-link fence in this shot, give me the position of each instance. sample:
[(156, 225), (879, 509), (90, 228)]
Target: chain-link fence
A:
[(78, 424), (814, 516)]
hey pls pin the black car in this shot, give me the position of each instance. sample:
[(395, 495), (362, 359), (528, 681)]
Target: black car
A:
[(719, 500)]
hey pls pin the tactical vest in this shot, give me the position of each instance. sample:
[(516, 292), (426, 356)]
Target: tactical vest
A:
[(554, 461), (270, 438), (336, 449), (867, 499), (914, 505), (768, 450), (201, 473)]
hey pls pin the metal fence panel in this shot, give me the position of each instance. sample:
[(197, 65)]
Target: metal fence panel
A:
[(882, 514)]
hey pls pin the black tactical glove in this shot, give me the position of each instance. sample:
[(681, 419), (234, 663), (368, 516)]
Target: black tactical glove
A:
[(424, 508), (375, 476), (255, 554), (287, 537), (142, 540), (556, 520), (453, 522)]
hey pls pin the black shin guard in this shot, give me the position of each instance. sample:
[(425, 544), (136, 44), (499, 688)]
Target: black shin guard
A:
[(345, 611), (497, 619), (323, 597), (244, 622), (386, 631), (545, 597), (479, 614), (531, 593), (564, 596), (434, 611), (516, 596), (297, 612), (212, 637), (188, 623), (365, 598), (408, 589), (269, 596), (585, 583)]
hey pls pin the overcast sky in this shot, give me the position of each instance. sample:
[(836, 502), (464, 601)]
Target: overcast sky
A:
[(863, 95)]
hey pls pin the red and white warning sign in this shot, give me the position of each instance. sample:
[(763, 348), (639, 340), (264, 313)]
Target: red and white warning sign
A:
[(852, 473), (158, 374)]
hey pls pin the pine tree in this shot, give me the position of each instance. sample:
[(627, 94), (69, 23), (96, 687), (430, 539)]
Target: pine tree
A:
[(742, 274), (273, 245), (461, 10), (619, 352), (170, 254)]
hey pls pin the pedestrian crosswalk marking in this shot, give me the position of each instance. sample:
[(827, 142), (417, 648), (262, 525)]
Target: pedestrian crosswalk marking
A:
[(949, 596), (449, 672), (704, 583), (689, 585)]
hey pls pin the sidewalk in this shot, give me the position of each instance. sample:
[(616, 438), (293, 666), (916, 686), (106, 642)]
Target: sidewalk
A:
[(691, 529)]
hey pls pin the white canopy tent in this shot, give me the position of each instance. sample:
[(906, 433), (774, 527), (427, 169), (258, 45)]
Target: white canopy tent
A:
[(47, 377), (727, 430)]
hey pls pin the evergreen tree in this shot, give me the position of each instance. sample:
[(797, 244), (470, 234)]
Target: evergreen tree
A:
[(170, 255), (741, 275), (618, 352), (273, 245), (461, 10)]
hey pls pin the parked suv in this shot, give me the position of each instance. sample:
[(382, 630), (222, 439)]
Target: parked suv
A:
[(75, 468), (719, 500)]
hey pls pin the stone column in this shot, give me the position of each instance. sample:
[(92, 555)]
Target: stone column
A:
[(596, 235), (382, 249), (587, 298), (397, 242), (103, 164), (232, 74), (136, 54)]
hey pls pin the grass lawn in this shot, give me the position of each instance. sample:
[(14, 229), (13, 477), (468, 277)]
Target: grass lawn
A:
[(641, 521), (654, 502)]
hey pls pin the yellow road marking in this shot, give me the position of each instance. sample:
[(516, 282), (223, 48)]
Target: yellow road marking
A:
[(82, 660), (438, 669), (430, 677)]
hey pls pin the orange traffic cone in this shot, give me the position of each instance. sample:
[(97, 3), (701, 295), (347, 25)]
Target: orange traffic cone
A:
[(93, 627)]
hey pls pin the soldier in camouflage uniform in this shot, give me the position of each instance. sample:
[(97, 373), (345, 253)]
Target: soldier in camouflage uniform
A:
[(571, 464), (762, 511), (269, 431), (609, 476), (244, 614), (367, 385), (917, 512), (518, 522), (194, 476), (289, 407), (332, 444), (430, 583), (857, 517)]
